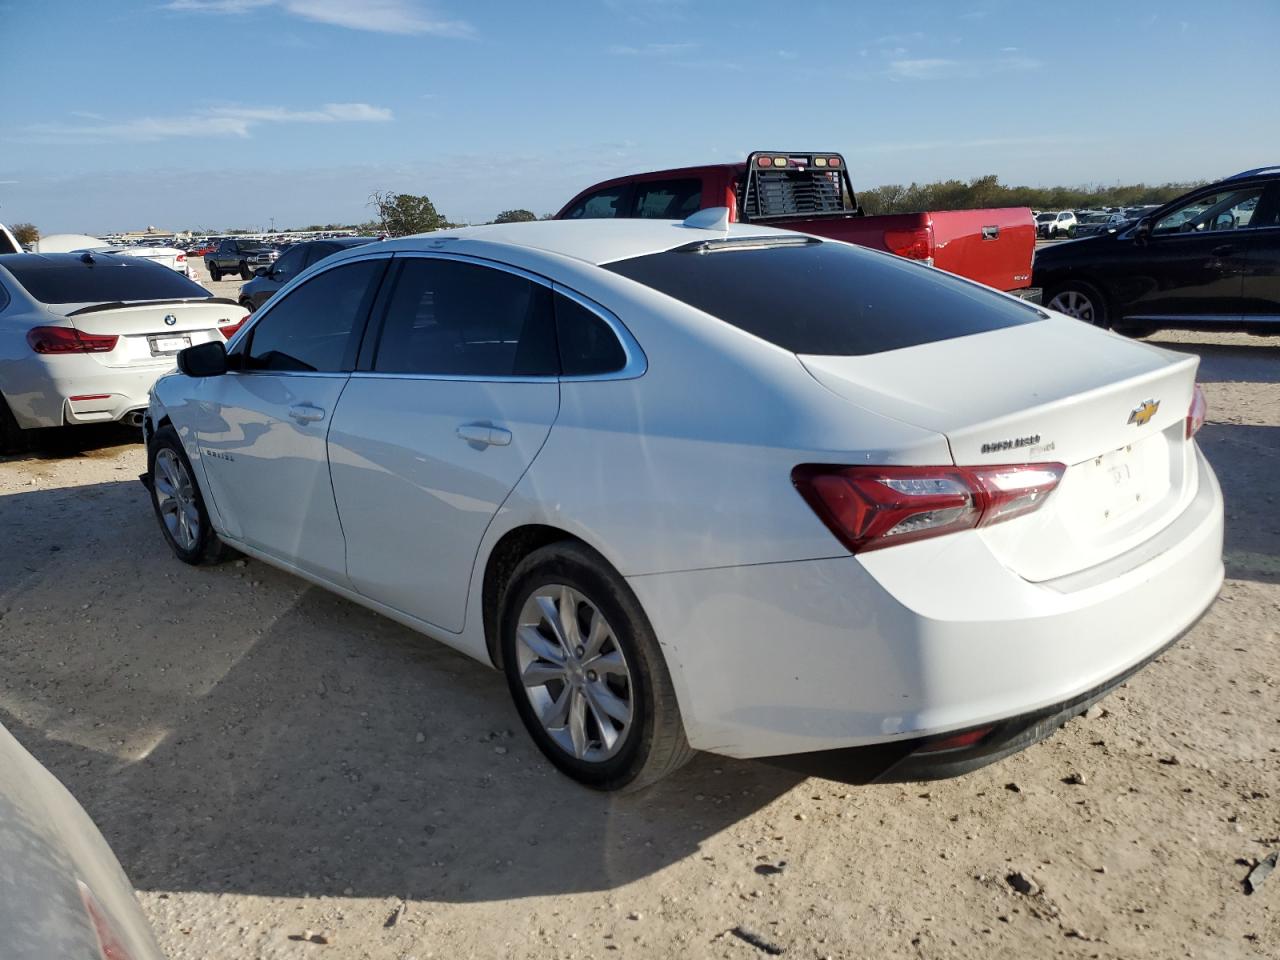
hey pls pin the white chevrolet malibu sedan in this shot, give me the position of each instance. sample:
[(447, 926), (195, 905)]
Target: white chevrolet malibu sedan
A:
[(694, 486)]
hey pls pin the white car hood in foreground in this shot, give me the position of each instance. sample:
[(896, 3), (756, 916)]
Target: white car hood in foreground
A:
[(48, 847), (1070, 386)]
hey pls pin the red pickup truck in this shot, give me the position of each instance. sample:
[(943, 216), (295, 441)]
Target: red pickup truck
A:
[(812, 193)]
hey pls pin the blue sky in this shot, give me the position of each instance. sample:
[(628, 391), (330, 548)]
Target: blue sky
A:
[(226, 113)]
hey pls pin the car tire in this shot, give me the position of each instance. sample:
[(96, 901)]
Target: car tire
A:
[(1081, 300), (245, 272), (572, 626), (179, 504), (214, 273), (1071, 233), (12, 436)]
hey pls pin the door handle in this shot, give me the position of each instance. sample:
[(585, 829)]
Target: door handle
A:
[(306, 413), (485, 435), (1223, 250)]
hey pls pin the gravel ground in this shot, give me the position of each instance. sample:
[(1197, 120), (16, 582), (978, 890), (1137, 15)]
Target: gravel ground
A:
[(286, 775)]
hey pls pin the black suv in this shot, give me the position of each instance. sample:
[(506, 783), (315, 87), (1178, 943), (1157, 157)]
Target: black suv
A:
[(239, 256), (1208, 260), (291, 263)]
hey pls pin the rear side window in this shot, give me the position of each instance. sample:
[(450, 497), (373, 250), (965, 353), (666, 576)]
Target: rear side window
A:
[(316, 326), (825, 298), (667, 199), (65, 278), (600, 205), (448, 318), (588, 345)]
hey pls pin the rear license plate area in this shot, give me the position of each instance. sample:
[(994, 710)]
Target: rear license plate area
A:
[(1116, 482), (167, 346)]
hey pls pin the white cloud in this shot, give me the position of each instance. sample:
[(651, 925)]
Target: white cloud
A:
[(215, 122), (378, 16), (938, 68), (654, 50)]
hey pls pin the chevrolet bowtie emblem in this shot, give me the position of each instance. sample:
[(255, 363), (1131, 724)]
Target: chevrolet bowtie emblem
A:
[(1143, 412)]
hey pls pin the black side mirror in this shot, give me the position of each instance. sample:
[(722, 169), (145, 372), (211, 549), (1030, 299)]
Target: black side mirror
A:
[(1142, 232), (262, 271), (204, 359)]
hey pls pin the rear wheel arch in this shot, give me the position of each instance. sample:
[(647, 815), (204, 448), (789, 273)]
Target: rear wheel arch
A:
[(1093, 289), (511, 548)]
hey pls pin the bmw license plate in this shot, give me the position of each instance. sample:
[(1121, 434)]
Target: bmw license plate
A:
[(161, 346)]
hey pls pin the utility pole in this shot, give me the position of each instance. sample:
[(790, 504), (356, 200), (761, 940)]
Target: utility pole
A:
[(273, 224)]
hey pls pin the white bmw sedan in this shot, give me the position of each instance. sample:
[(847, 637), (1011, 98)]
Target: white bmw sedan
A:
[(705, 487), (83, 336)]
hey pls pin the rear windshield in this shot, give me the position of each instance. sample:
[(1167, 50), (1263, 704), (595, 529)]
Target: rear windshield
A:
[(110, 278), (827, 298)]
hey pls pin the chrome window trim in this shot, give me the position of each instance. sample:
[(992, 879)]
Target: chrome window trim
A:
[(635, 366), (327, 374)]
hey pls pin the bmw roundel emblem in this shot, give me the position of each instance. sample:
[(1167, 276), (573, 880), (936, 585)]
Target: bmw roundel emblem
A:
[(170, 320)]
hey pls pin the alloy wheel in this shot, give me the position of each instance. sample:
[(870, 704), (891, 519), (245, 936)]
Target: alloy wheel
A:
[(175, 495), (575, 673), (1074, 304)]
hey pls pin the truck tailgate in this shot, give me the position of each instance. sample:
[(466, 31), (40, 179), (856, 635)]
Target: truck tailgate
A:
[(993, 246)]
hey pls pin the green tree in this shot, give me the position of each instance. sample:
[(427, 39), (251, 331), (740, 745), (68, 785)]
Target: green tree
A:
[(402, 214), (25, 233), (514, 216), (988, 191)]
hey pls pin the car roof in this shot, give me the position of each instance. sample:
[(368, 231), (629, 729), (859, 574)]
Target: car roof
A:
[(593, 241), (70, 261), (339, 241)]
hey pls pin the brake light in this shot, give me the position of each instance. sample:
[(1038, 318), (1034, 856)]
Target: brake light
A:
[(1196, 415), (181, 258), (55, 340), (110, 944), (229, 330), (914, 244), (872, 507)]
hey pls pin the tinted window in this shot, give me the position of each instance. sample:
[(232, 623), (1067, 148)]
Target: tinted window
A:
[(289, 265), (587, 344), (826, 298), (1220, 210), (319, 251), (65, 278), (667, 199), (599, 205), (447, 318), (316, 325)]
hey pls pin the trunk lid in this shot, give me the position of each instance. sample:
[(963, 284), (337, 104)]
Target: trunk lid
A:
[(1111, 409), (155, 331)]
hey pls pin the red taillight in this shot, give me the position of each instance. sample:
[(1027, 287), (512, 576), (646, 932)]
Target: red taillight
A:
[(872, 507), (53, 340), (181, 258), (914, 244), (1196, 415), (956, 741), (110, 944), (229, 330)]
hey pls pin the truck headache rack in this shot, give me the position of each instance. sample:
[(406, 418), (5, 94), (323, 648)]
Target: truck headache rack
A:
[(780, 184)]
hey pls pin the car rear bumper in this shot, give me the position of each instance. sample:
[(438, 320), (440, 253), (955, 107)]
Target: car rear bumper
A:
[(821, 655), (932, 758), (77, 390)]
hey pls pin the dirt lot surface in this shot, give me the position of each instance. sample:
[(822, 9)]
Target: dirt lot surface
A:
[(273, 764)]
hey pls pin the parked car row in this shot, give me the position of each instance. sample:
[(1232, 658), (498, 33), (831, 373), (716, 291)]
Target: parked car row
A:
[(642, 453)]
